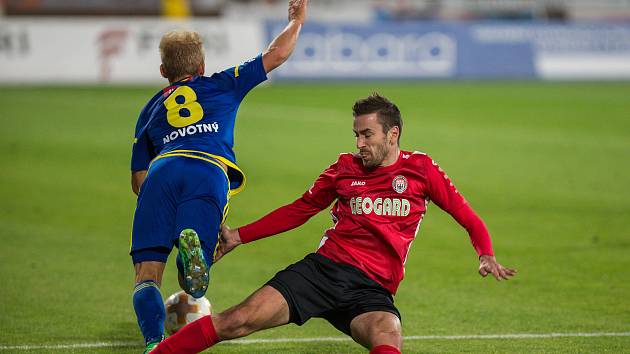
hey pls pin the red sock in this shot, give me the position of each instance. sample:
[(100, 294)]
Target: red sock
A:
[(193, 338), (384, 349)]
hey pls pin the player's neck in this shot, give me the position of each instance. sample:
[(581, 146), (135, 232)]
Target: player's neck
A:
[(392, 157), (181, 78)]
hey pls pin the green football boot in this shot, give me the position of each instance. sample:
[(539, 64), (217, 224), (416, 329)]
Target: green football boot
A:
[(152, 345), (193, 264)]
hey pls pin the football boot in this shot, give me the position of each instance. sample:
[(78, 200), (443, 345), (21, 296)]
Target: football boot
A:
[(192, 262), (151, 345)]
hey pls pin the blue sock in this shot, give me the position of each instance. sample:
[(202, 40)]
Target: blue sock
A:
[(147, 301)]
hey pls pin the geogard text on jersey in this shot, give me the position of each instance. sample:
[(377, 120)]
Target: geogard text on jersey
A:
[(380, 206)]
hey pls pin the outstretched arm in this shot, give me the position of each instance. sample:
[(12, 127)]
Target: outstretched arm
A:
[(282, 46), (285, 218), (278, 221), (445, 195)]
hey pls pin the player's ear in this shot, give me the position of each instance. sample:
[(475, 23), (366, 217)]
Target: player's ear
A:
[(393, 134), (163, 71), (202, 68)]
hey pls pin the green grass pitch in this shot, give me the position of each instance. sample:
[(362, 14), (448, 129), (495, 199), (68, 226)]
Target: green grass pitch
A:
[(547, 165)]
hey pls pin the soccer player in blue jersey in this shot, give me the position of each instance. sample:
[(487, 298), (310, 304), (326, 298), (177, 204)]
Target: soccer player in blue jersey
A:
[(183, 166)]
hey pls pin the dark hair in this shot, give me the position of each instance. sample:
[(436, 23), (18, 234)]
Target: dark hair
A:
[(387, 113)]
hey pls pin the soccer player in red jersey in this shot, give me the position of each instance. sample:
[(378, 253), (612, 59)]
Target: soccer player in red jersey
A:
[(381, 193)]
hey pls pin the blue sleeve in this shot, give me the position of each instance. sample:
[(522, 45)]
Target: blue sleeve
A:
[(241, 79), (142, 152)]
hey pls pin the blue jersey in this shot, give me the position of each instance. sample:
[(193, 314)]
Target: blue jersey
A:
[(196, 116)]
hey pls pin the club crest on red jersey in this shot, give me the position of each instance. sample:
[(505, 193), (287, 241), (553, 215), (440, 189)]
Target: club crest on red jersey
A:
[(399, 184)]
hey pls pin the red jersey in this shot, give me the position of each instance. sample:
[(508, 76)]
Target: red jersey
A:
[(377, 213)]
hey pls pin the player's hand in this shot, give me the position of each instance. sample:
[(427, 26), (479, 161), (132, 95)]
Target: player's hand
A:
[(227, 241), (489, 265), (297, 10)]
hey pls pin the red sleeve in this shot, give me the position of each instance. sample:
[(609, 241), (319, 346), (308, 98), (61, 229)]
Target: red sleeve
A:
[(290, 216), (443, 193)]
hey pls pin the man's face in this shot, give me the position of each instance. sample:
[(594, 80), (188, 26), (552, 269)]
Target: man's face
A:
[(372, 143)]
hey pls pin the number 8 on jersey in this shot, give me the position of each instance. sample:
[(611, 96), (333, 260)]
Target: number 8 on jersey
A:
[(182, 108)]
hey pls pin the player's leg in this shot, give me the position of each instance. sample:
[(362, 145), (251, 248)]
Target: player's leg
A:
[(193, 264), (265, 308), (198, 221), (147, 301), (293, 295), (365, 310), (151, 243), (379, 331)]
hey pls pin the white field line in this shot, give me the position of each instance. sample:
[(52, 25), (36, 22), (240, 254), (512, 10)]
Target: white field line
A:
[(327, 339)]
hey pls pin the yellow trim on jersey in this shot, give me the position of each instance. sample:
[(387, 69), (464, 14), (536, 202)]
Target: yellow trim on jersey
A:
[(226, 210), (186, 153), (131, 232), (227, 162), (236, 71), (168, 154)]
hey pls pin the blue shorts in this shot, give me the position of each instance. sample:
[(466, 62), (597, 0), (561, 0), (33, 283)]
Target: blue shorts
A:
[(178, 193)]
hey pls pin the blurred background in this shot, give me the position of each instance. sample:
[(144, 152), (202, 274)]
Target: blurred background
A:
[(525, 103), (96, 41)]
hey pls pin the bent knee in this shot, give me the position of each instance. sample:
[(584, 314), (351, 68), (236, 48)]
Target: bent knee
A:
[(374, 329), (387, 336)]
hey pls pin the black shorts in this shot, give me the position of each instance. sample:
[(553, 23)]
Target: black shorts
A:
[(319, 287)]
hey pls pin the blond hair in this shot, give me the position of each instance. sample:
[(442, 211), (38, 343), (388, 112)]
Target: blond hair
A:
[(181, 52)]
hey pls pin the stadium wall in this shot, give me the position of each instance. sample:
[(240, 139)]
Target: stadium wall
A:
[(68, 50), (438, 50), (124, 51)]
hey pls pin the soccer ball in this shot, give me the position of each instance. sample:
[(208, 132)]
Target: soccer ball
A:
[(181, 309)]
